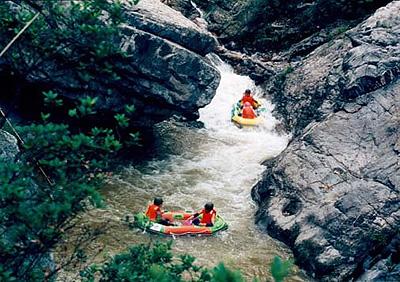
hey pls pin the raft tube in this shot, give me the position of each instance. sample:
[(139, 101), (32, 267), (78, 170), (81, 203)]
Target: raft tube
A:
[(236, 110), (247, 121), (179, 218)]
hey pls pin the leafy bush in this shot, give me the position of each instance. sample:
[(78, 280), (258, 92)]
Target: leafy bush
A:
[(84, 35), (155, 262), (280, 269), (147, 263), (56, 174), (36, 210)]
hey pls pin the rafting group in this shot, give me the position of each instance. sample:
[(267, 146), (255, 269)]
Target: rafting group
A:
[(246, 112), (204, 222)]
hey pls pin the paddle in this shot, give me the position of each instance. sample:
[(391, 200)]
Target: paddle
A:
[(187, 222)]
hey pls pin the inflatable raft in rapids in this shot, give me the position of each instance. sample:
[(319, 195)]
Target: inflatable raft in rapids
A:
[(181, 228)]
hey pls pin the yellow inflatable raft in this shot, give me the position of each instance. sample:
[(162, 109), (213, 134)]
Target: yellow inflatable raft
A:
[(236, 118)]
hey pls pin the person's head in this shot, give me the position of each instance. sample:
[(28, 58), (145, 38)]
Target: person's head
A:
[(247, 104), (208, 206), (158, 201), (247, 92)]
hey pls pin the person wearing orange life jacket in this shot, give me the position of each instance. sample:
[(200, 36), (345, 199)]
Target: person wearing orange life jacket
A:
[(208, 216), (154, 212), (247, 97), (248, 111)]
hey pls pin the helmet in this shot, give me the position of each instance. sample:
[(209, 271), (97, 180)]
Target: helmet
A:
[(158, 201), (247, 91), (247, 104), (208, 206)]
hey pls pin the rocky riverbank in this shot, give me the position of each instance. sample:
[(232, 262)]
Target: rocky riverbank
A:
[(333, 194)]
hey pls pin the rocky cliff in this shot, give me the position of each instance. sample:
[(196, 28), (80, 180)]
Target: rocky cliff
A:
[(164, 70), (333, 194), (260, 25)]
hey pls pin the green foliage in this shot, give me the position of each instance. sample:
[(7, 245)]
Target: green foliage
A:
[(147, 263), (222, 274), (45, 117), (130, 109), (155, 262), (50, 99), (35, 211), (86, 106), (83, 34), (280, 269), (122, 120)]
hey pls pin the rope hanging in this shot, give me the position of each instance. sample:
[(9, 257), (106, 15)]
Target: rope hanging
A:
[(1, 110), (19, 34)]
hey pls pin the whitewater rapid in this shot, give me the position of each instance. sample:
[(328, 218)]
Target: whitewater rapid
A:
[(191, 166)]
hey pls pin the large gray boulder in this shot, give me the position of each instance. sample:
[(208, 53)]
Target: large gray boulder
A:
[(334, 194), (164, 71)]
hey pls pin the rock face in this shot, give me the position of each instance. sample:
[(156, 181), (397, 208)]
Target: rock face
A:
[(361, 60), (334, 194), (8, 146), (273, 25), (163, 73)]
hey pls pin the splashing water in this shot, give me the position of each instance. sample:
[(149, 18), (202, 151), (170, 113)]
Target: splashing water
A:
[(218, 163)]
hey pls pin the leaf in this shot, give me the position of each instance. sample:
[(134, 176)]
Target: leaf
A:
[(73, 113), (44, 116), (280, 269), (223, 274)]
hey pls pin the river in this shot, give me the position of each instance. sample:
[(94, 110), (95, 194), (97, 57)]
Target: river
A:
[(218, 162)]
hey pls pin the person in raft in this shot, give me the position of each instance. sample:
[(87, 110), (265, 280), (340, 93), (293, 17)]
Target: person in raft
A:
[(248, 97), (208, 216), (248, 111), (154, 212)]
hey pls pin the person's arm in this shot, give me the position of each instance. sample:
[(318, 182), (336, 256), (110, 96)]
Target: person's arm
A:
[(193, 216), (213, 218)]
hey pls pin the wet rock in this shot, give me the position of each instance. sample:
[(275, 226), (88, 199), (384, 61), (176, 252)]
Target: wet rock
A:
[(334, 194), (8, 146), (256, 66)]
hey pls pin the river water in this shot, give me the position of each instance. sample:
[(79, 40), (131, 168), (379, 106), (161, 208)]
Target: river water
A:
[(218, 163)]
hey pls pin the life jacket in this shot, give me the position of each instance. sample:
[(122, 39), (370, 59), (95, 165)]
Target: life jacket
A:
[(249, 99), (153, 212), (248, 112), (207, 216)]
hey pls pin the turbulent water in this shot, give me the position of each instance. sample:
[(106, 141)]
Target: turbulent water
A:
[(218, 163)]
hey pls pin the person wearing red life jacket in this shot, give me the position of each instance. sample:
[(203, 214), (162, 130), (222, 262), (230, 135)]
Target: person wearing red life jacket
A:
[(247, 97), (154, 212), (248, 111), (208, 216)]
